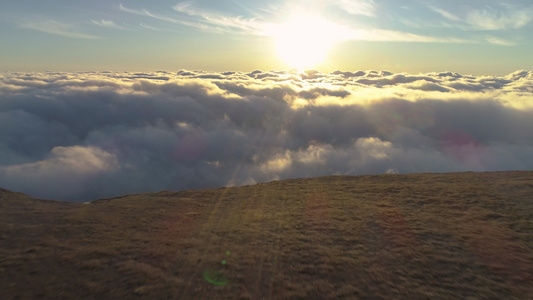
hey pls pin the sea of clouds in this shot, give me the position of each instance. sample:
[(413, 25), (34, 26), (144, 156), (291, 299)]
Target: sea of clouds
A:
[(84, 136)]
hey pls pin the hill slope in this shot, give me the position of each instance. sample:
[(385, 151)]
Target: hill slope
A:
[(438, 236)]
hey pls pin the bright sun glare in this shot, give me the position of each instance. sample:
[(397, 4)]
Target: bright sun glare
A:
[(304, 41)]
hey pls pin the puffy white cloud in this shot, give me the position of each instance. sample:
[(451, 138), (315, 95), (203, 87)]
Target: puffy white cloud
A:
[(82, 136)]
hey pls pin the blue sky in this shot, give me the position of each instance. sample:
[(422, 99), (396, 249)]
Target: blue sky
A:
[(469, 36)]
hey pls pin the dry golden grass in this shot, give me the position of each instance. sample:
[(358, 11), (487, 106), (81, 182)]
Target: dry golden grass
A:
[(418, 236)]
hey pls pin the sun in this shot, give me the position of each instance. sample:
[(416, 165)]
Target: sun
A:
[(305, 40)]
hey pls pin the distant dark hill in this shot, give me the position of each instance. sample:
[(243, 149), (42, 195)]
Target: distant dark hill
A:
[(417, 236)]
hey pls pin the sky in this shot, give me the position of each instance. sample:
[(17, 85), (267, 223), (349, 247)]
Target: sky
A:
[(104, 98), (84, 136), (479, 37)]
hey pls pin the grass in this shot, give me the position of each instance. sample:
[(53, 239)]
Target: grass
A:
[(417, 236)]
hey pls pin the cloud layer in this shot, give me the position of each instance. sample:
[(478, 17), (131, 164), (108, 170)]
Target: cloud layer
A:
[(83, 136)]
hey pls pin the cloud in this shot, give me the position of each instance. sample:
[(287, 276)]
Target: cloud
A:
[(55, 28), (108, 24), (146, 13), (221, 22), (446, 14), (148, 26), (499, 41), (83, 136), (207, 23), (399, 36), (487, 16), (491, 19), (357, 7), (267, 25), (65, 172)]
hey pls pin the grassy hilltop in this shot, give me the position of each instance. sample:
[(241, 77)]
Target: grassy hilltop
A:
[(434, 236)]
